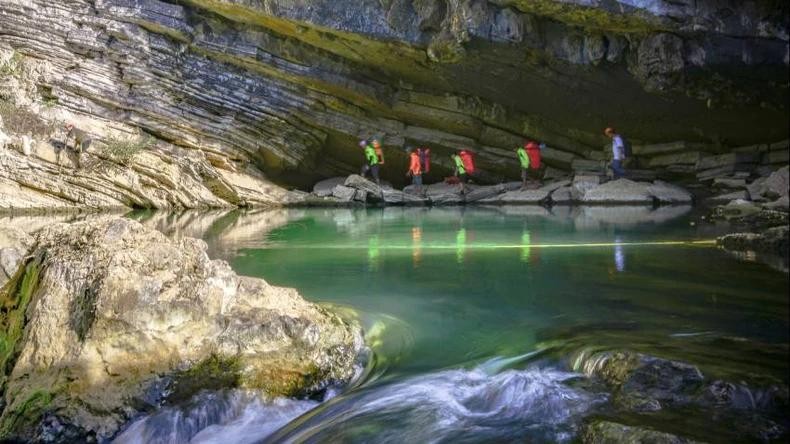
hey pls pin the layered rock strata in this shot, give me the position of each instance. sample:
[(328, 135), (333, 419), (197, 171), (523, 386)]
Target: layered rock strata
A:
[(288, 87)]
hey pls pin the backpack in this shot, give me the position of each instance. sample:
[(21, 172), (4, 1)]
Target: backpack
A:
[(425, 159), (467, 159), (627, 148)]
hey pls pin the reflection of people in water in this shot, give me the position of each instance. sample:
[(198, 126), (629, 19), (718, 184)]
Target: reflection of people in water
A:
[(416, 245), (373, 252), (528, 254), (460, 245), (619, 255)]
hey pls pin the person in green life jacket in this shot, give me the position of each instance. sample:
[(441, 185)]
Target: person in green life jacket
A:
[(523, 159), (460, 171), (371, 162)]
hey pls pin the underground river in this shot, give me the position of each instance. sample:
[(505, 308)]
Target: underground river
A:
[(484, 323)]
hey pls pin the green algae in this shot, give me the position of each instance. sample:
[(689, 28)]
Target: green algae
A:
[(15, 297)]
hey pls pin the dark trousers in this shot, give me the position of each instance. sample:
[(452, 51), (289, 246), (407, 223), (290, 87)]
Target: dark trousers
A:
[(372, 169), (617, 169)]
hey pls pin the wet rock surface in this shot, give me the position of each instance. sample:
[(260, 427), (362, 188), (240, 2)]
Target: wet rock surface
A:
[(657, 389), (121, 319)]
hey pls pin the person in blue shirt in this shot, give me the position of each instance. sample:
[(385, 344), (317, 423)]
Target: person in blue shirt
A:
[(618, 152)]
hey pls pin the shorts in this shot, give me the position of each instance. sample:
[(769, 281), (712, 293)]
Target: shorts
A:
[(536, 173), (416, 179), (464, 178)]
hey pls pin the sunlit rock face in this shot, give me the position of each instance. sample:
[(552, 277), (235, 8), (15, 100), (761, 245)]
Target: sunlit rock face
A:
[(289, 86)]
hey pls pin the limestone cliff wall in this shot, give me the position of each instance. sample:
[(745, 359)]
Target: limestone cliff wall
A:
[(288, 86)]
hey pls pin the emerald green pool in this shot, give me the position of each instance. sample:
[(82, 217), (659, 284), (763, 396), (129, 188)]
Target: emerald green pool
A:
[(478, 317)]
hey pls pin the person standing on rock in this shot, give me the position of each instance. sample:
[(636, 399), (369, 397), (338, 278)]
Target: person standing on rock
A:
[(523, 159), (371, 162), (415, 169), (618, 152), (460, 171)]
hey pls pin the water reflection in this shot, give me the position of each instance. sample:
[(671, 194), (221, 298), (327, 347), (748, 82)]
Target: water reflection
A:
[(416, 242), (525, 242), (619, 255), (460, 245), (373, 253)]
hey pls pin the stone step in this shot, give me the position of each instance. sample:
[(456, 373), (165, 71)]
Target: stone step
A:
[(723, 160), (679, 158)]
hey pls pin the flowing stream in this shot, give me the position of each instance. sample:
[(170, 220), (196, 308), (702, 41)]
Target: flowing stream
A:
[(482, 321)]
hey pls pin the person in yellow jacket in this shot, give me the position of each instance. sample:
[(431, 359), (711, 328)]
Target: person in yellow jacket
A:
[(460, 171), (371, 162)]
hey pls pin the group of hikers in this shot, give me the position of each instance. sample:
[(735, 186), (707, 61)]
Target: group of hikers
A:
[(529, 157)]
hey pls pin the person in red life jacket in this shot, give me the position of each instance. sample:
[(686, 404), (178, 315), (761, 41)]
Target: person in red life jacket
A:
[(415, 169), (467, 157), (535, 166)]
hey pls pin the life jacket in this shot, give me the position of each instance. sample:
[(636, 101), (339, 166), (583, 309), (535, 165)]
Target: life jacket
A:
[(414, 164), (379, 151), (469, 163), (425, 159), (459, 164), (371, 156), (523, 158), (533, 151)]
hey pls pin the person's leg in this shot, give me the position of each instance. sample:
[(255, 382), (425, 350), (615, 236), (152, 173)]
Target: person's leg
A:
[(364, 170), (617, 168), (375, 170), (417, 182), (523, 178)]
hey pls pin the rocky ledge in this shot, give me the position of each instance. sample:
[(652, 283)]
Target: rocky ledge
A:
[(652, 391), (107, 319)]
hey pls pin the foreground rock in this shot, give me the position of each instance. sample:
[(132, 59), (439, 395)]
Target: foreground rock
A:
[(773, 241), (14, 245), (625, 191), (651, 386), (119, 319), (606, 432)]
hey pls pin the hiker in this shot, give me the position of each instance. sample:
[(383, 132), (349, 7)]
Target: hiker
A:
[(81, 141), (618, 152), (536, 167), (460, 171), (371, 162), (523, 159), (415, 169)]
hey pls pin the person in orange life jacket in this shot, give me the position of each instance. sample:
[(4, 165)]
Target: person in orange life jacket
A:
[(618, 152), (415, 169), (371, 162)]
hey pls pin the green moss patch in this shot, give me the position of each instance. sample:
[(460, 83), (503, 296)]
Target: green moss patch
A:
[(214, 373)]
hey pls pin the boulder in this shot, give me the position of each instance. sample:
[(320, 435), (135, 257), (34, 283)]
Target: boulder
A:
[(607, 432), (550, 187), (395, 197), (583, 183), (446, 199), (619, 191), (524, 197), (776, 157), (121, 318), (737, 208), (562, 195), (325, 187), (772, 241), (668, 193), (484, 192), (589, 166), (372, 191), (663, 148), (776, 185), (436, 189), (781, 204), (343, 193)]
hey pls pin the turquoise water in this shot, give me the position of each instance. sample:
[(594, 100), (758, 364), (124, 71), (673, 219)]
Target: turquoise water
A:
[(457, 286), (477, 316)]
